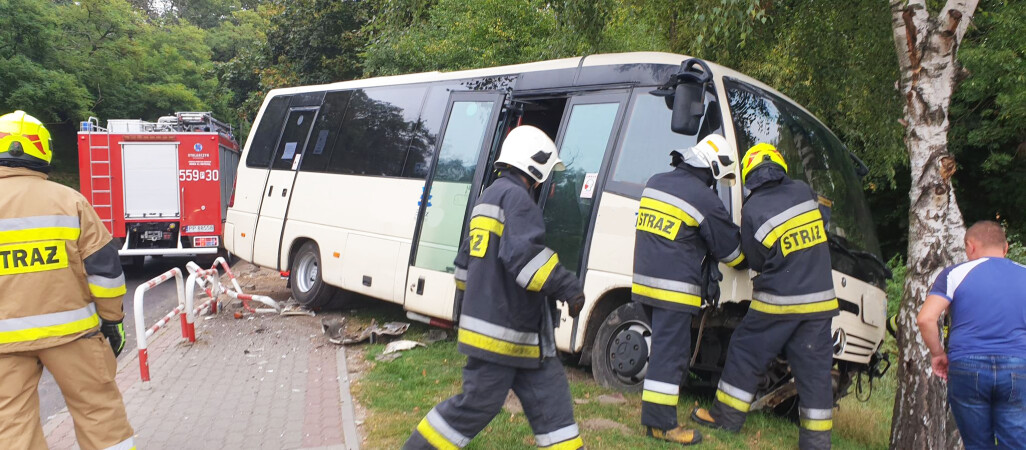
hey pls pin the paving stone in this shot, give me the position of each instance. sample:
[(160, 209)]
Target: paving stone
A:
[(212, 394)]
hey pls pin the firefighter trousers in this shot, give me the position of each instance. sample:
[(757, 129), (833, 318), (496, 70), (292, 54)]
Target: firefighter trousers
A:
[(84, 370), (809, 351), (544, 394), (667, 363)]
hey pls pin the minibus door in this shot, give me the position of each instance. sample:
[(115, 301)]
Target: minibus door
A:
[(459, 166), (277, 191), (586, 138)]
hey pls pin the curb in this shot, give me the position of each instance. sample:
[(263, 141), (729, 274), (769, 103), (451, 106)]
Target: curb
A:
[(349, 433)]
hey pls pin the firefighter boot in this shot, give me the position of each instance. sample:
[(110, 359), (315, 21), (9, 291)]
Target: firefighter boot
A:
[(702, 417), (679, 435)]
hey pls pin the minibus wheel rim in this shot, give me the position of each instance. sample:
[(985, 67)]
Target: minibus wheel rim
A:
[(628, 350), (307, 272)]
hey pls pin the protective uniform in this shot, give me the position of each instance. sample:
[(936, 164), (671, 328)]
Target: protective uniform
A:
[(783, 235), (506, 325), (60, 276), (680, 222)]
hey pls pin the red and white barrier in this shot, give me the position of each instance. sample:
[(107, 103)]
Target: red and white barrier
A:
[(246, 298), (176, 273), (209, 280), (189, 314)]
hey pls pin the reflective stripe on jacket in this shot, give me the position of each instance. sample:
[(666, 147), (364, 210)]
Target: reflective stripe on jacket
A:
[(59, 269), (507, 272), (680, 221), (784, 235)]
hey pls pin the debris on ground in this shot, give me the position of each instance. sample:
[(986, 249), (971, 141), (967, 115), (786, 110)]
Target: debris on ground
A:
[(399, 346), (435, 335), (373, 332), (293, 308), (334, 328)]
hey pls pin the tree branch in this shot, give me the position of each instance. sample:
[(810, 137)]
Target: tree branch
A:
[(959, 14)]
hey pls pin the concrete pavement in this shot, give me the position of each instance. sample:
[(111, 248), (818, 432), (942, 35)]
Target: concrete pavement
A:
[(261, 382)]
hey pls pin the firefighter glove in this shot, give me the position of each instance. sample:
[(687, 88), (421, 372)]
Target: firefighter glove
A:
[(576, 304), (115, 333)]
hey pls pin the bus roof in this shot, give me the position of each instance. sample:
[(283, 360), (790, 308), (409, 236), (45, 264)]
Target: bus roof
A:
[(670, 60)]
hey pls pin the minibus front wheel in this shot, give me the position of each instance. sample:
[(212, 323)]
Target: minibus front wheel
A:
[(619, 358), (306, 280)]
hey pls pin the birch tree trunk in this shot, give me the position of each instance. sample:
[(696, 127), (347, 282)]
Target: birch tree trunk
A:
[(927, 47)]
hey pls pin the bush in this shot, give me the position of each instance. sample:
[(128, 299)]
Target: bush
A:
[(896, 285), (1016, 249)]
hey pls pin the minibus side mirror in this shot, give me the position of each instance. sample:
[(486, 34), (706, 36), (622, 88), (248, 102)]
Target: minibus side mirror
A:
[(689, 97), (688, 109)]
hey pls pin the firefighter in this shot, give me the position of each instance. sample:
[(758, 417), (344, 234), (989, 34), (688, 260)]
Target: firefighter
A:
[(783, 235), (506, 323), (61, 290), (680, 222)]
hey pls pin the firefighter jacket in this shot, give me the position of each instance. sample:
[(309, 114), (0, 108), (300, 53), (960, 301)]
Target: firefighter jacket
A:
[(59, 270), (680, 221), (784, 237), (508, 273)]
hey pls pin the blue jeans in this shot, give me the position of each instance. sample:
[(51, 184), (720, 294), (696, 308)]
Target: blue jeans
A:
[(987, 395)]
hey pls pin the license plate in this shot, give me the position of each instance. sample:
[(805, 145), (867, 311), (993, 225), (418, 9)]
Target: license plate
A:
[(153, 235), (210, 241), (199, 228)]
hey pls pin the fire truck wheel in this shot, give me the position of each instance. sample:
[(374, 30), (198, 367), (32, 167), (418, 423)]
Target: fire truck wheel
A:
[(308, 288), (619, 358)]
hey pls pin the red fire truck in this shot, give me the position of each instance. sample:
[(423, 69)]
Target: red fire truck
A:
[(162, 188)]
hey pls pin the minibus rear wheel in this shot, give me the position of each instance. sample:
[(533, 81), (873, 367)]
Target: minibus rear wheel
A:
[(305, 278), (619, 358)]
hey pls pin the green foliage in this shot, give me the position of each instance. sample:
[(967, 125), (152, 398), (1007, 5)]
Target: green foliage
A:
[(1017, 249), (896, 285), (462, 34), (988, 115), (316, 41)]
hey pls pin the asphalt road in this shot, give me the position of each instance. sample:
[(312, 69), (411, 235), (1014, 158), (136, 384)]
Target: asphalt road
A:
[(158, 302)]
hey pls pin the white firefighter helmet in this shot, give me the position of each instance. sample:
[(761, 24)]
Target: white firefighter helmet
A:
[(711, 153), (530, 150)]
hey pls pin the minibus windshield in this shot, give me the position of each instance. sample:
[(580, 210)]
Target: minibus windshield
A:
[(813, 154)]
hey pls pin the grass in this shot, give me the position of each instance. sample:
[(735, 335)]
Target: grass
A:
[(397, 394)]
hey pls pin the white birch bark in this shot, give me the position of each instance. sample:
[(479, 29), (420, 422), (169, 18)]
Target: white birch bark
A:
[(927, 47)]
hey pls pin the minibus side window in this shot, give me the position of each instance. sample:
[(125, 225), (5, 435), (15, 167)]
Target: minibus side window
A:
[(325, 132), (647, 143), (266, 136), (568, 209), (422, 146), (376, 133)]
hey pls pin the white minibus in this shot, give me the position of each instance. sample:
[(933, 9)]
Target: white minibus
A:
[(365, 186)]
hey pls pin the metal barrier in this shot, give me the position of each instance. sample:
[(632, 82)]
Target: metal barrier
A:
[(144, 364), (235, 294), (190, 312), (209, 280)]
